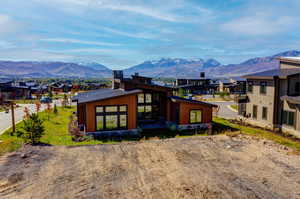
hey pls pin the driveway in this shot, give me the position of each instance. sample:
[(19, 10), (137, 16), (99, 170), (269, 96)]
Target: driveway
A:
[(225, 111), (5, 118)]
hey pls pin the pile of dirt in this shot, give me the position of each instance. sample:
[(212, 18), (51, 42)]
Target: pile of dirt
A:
[(196, 167)]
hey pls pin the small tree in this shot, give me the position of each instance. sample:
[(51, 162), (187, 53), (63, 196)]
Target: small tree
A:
[(181, 92), (74, 129), (26, 113), (55, 111), (38, 106), (48, 109), (65, 101), (50, 94), (33, 128)]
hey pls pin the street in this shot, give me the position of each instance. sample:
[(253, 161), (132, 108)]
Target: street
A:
[(225, 111), (5, 118)]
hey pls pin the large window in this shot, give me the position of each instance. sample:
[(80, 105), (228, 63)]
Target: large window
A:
[(148, 106), (195, 116), (264, 113), (111, 117), (254, 112), (250, 86), (263, 87), (297, 88), (288, 118)]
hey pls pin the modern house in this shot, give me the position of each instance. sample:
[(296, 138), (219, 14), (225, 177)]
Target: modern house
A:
[(193, 86), (136, 103), (59, 87), (273, 98), (10, 90)]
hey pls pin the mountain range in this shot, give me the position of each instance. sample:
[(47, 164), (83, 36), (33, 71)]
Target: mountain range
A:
[(27, 69), (164, 67)]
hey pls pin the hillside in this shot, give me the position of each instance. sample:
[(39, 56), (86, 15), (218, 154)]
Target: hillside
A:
[(51, 69)]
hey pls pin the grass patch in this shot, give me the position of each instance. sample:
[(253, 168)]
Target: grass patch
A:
[(234, 106), (280, 139), (56, 132)]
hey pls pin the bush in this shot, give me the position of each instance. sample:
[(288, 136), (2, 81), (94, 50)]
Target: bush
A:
[(33, 129), (223, 94), (74, 130), (55, 111)]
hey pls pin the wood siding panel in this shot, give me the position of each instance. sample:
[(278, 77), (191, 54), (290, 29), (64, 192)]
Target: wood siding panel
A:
[(129, 100), (185, 109)]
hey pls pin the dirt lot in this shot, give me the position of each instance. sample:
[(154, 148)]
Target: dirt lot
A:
[(197, 167)]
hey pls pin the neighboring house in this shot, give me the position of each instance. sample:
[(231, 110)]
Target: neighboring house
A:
[(273, 98), (10, 90), (233, 86), (136, 102), (59, 87), (193, 86)]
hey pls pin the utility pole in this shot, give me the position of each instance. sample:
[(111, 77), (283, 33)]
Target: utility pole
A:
[(13, 117)]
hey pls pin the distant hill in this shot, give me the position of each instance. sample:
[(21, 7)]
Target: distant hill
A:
[(169, 67), (51, 69), (165, 67), (191, 68)]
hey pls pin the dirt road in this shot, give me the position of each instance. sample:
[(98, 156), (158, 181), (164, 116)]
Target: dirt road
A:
[(197, 167)]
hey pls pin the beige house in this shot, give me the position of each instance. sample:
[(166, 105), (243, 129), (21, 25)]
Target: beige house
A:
[(273, 98)]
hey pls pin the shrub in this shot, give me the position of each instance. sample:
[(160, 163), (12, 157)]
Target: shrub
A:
[(74, 130), (55, 111), (33, 129)]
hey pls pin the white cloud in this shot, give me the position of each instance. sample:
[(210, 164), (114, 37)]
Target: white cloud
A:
[(150, 12), (259, 25), (8, 25), (127, 34), (6, 45), (115, 52), (66, 40), (33, 55), (168, 10)]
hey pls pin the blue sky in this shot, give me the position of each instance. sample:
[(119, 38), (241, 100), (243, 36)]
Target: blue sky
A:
[(122, 33)]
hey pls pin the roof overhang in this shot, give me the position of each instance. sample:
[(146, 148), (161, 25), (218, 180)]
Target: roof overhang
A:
[(289, 60), (177, 99), (258, 77), (88, 99), (291, 99)]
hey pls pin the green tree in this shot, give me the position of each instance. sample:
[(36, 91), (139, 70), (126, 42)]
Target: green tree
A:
[(55, 111), (50, 94), (181, 92), (34, 129)]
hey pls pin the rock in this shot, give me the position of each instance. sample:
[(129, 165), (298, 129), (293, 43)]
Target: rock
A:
[(24, 155)]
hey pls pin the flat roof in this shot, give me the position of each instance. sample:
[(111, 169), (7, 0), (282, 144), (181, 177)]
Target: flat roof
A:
[(269, 74), (101, 94)]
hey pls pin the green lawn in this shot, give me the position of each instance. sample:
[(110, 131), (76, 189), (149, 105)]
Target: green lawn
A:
[(234, 106), (286, 141), (56, 132)]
